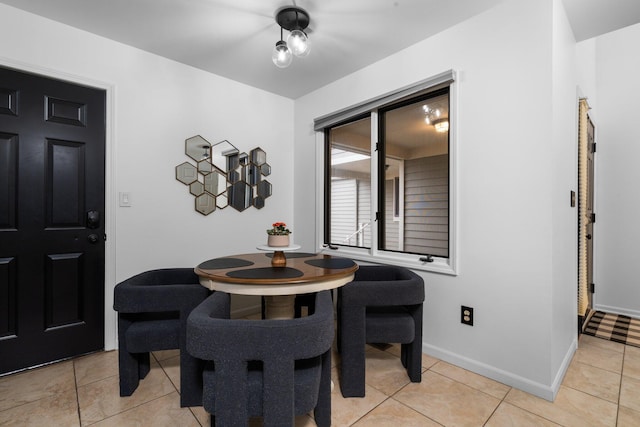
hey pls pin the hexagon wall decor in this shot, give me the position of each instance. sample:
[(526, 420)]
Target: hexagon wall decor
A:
[(223, 176)]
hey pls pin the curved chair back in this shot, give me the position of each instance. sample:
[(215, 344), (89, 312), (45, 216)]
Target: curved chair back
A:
[(153, 307), (383, 304), (234, 345)]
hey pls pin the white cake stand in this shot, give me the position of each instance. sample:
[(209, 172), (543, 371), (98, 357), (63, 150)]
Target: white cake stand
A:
[(279, 259)]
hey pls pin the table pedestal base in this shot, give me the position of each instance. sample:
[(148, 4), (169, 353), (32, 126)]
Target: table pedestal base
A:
[(280, 306)]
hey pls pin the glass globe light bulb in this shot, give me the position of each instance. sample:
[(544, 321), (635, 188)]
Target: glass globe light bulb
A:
[(281, 55), (299, 43)]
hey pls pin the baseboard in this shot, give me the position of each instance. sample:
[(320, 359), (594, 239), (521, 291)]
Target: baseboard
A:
[(564, 366), (543, 391), (618, 310)]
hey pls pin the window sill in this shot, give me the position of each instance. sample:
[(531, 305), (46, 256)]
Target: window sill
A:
[(439, 265)]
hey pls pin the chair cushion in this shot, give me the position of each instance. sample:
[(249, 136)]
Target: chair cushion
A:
[(389, 325), (306, 379), (159, 332)]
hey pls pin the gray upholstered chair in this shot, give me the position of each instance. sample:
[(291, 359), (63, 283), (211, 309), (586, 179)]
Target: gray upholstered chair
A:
[(275, 369), (152, 315), (383, 304)]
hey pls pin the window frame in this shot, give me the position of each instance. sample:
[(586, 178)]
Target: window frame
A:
[(448, 265)]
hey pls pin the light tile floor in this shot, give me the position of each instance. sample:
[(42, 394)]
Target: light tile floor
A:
[(601, 388)]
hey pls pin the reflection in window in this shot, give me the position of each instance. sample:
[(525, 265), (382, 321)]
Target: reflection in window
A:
[(412, 188), (350, 184), (416, 169)]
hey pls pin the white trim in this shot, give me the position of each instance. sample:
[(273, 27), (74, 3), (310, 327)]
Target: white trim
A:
[(543, 391), (400, 197), (617, 310), (319, 190), (431, 83), (411, 261), (375, 161), (110, 318)]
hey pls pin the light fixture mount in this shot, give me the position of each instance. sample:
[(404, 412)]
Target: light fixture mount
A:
[(292, 18)]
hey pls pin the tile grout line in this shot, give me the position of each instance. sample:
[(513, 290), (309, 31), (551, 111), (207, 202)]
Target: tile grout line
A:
[(174, 386), (624, 355), (409, 407), (75, 383), (142, 403)]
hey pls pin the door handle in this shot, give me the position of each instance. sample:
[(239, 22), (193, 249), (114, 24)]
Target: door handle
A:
[(93, 219), (588, 236)]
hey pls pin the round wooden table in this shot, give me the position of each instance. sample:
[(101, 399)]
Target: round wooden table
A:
[(254, 274)]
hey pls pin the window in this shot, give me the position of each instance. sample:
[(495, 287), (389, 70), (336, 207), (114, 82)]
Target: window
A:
[(388, 192), (415, 153), (349, 206)]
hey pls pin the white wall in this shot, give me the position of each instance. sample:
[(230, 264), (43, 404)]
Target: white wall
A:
[(508, 200), (617, 230), (157, 104), (563, 161), (510, 206)]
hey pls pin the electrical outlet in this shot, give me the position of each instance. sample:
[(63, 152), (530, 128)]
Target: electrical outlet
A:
[(466, 315)]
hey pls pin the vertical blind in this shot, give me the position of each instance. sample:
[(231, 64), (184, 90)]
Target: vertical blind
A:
[(583, 297)]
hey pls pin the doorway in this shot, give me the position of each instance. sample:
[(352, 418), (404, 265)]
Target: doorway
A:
[(52, 231), (586, 214)]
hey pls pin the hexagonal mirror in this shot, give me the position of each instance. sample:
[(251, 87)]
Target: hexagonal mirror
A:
[(223, 176), (264, 189), (233, 177), (186, 173), (233, 162), (197, 148), (205, 203), (258, 202), (251, 174), (240, 195), (196, 188), (222, 201), (205, 167), (258, 156), (215, 183), (220, 154)]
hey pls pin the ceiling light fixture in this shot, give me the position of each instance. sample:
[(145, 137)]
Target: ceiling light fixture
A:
[(295, 20)]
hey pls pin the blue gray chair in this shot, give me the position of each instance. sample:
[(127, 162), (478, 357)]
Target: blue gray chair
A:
[(274, 369), (383, 304), (153, 308)]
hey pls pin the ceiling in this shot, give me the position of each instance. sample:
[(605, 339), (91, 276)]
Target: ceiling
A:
[(234, 38)]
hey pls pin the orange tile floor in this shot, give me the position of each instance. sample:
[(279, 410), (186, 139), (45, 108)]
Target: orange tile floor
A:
[(601, 388)]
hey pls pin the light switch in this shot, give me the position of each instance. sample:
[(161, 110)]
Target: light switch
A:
[(125, 199)]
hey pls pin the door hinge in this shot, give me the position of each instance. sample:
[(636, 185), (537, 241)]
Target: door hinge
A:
[(592, 288), (593, 218), (593, 147), (377, 216), (377, 146)]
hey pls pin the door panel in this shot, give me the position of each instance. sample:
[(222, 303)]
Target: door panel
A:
[(52, 145), (8, 179), (65, 181), (8, 300)]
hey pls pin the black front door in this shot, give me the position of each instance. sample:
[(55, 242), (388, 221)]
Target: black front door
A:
[(52, 166)]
